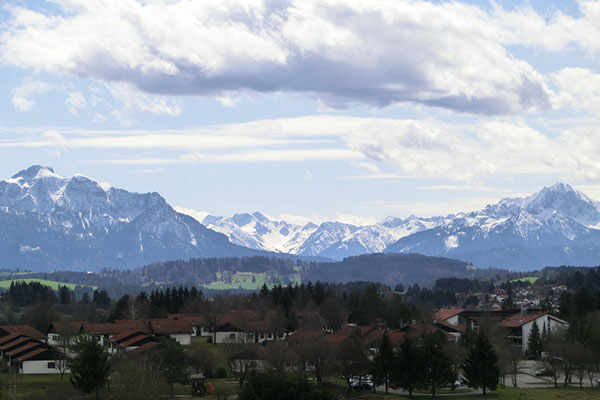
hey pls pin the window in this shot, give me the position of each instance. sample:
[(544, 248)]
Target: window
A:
[(51, 365), (232, 336)]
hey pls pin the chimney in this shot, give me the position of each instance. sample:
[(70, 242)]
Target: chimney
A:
[(523, 310)]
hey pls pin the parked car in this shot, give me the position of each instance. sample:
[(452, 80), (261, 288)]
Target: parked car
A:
[(360, 383), (544, 372)]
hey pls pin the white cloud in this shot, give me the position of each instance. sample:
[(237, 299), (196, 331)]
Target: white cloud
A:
[(132, 99), (469, 153), (579, 89), (23, 97), (348, 52), (75, 101)]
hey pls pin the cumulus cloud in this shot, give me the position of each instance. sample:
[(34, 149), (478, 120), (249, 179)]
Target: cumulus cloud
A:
[(348, 52), (579, 89), (23, 97)]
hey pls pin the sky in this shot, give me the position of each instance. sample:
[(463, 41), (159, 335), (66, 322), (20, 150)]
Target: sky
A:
[(343, 110)]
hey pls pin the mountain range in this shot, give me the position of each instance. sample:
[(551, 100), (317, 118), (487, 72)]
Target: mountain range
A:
[(51, 222), (555, 226)]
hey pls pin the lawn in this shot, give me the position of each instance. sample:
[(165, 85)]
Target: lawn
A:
[(239, 280), (53, 284), (22, 385), (530, 279)]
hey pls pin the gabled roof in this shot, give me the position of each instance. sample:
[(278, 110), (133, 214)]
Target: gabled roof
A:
[(145, 347), (31, 354), (22, 329), (195, 319), (446, 327), (446, 313), (125, 335), (304, 336), (62, 327), (372, 338), (10, 338), (137, 341), (24, 349), (16, 342), (518, 320), (170, 326), (364, 329)]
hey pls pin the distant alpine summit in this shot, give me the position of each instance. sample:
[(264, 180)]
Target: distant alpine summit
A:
[(558, 225), (52, 222)]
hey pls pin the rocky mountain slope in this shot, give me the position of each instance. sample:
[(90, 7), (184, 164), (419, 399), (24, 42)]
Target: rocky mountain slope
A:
[(556, 226), (52, 222)]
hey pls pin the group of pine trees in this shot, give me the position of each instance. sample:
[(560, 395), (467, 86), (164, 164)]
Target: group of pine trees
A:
[(427, 365)]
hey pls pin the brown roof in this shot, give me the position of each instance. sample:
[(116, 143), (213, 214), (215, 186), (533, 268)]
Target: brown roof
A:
[(364, 329), (31, 354), (135, 341), (445, 326), (69, 327), (10, 338), (372, 338), (170, 326), (24, 348), (16, 342), (145, 347), (336, 338), (195, 319), (446, 313), (304, 336), (126, 335), (24, 330), (517, 320)]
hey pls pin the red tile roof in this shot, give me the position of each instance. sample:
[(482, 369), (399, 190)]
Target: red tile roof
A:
[(364, 329), (66, 327), (372, 338), (17, 342), (517, 320), (31, 354), (304, 336), (170, 326), (125, 335), (23, 348), (195, 319), (10, 338), (136, 340), (446, 313), (24, 330), (145, 347)]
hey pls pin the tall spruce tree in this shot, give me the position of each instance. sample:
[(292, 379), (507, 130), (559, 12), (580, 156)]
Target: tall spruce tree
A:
[(383, 362), (434, 363), (481, 367), (90, 368), (405, 374), (534, 342)]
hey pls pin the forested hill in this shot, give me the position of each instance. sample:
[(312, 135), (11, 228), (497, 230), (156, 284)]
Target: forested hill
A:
[(391, 269)]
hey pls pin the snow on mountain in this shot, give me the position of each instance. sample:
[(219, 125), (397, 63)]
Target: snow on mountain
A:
[(555, 226), (260, 232), (48, 221)]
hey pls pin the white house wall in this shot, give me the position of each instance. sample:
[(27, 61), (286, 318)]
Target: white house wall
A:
[(526, 330), (183, 339), (39, 367)]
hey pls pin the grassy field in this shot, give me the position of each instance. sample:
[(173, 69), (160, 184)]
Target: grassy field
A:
[(530, 279), (53, 284)]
